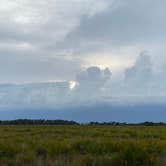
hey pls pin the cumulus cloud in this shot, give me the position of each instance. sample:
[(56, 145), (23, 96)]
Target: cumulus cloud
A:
[(138, 77), (93, 74), (141, 72), (90, 83)]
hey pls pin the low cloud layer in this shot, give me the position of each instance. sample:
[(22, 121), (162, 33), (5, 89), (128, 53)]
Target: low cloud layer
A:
[(93, 85), (87, 86)]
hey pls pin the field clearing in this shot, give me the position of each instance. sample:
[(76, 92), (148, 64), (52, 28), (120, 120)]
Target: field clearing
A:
[(82, 145)]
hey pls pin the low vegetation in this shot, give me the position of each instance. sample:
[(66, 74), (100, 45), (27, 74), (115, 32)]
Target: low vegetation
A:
[(82, 145)]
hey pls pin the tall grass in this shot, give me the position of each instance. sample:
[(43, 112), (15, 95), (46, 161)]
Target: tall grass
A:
[(82, 146)]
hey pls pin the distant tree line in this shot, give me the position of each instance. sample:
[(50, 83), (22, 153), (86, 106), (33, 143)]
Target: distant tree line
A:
[(67, 122), (127, 124), (37, 122)]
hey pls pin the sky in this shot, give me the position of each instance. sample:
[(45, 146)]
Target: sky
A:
[(82, 50)]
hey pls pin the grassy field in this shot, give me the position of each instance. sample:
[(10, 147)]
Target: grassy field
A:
[(82, 145)]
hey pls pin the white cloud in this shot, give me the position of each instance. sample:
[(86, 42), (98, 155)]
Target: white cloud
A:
[(47, 94), (123, 25), (55, 94), (141, 71), (46, 19), (90, 83)]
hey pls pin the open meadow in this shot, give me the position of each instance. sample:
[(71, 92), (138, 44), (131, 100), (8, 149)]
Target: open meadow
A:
[(82, 145)]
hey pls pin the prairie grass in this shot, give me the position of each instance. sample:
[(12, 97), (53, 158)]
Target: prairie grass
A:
[(72, 145)]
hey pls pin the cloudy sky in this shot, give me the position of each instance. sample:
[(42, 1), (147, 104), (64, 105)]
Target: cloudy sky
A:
[(55, 39), (62, 53)]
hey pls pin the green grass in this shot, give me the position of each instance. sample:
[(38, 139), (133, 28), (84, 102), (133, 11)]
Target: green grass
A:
[(82, 146)]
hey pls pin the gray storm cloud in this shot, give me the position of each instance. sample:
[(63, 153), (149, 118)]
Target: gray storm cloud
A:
[(123, 23)]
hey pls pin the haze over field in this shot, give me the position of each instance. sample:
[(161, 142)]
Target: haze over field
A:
[(87, 54)]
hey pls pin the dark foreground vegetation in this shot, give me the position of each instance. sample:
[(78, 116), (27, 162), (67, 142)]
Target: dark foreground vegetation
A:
[(82, 145)]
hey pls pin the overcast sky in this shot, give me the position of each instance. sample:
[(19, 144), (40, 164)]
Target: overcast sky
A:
[(73, 53), (55, 39)]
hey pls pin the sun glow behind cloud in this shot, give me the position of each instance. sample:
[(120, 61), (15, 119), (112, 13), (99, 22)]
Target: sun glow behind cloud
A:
[(72, 84), (112, 59)]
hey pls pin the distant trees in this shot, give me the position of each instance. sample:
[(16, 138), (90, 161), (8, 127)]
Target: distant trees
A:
[(37, 122), (66, 122)]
